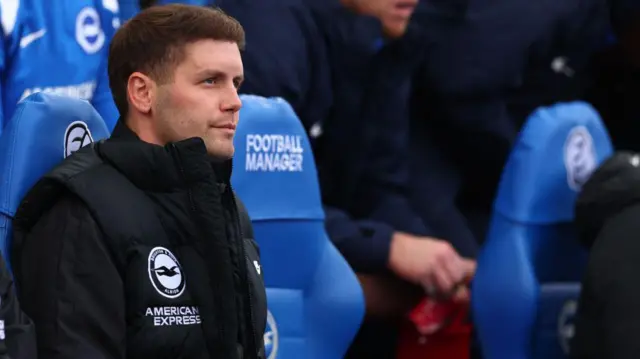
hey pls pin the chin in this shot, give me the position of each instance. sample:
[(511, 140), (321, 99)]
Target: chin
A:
[(222, 153), (396, 30)]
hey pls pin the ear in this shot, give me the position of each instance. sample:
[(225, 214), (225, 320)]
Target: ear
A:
[(140, 90)]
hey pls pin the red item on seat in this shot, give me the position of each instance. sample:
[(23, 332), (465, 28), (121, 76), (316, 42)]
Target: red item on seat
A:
[(436, 330)]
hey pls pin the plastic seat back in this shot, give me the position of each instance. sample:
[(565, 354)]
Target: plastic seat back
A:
[(44, 129), (315, 301), (529, 270)]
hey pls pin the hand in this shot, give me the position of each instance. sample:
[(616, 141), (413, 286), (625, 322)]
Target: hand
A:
[(432, 263)]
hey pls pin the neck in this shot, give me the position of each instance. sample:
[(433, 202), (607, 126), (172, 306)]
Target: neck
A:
[(144, 129)]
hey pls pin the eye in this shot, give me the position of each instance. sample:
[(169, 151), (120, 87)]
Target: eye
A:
[(211, 81), (237, 83)]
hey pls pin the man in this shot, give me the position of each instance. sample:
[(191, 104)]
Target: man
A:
[(57, 47), (140, 248), (345, 68)]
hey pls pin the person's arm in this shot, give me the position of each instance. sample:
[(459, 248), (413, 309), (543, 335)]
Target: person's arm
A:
[(70, 287), (373, 247), (365, 244)]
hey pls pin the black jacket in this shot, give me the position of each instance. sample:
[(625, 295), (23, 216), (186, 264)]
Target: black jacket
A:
[(608, 220), (132, 250)]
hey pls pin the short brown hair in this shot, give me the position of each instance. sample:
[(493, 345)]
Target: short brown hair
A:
[(153, 41)]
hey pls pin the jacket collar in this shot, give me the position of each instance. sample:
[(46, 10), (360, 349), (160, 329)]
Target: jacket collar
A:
[(156, 167)]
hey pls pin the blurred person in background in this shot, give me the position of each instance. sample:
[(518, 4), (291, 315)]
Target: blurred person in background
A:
[(60, 48), (490, 64), (607, 220)]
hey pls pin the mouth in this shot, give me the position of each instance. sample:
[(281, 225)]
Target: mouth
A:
[(227, 126), (404, 8), (228, 129)]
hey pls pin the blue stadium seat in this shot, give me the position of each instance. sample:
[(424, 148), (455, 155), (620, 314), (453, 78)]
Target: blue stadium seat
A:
[(315, 302), (527, 282), (128, 9), (44, 129)]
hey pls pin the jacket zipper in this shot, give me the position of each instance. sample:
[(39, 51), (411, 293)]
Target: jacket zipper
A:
[(242, 267), (192, 206), (253, 346), (248, 297)]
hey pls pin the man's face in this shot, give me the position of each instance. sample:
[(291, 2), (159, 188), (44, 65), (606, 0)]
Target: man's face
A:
[(394, 14), (202, 100)]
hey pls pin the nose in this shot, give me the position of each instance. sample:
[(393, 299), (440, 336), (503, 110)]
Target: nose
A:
[(231, 102)]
